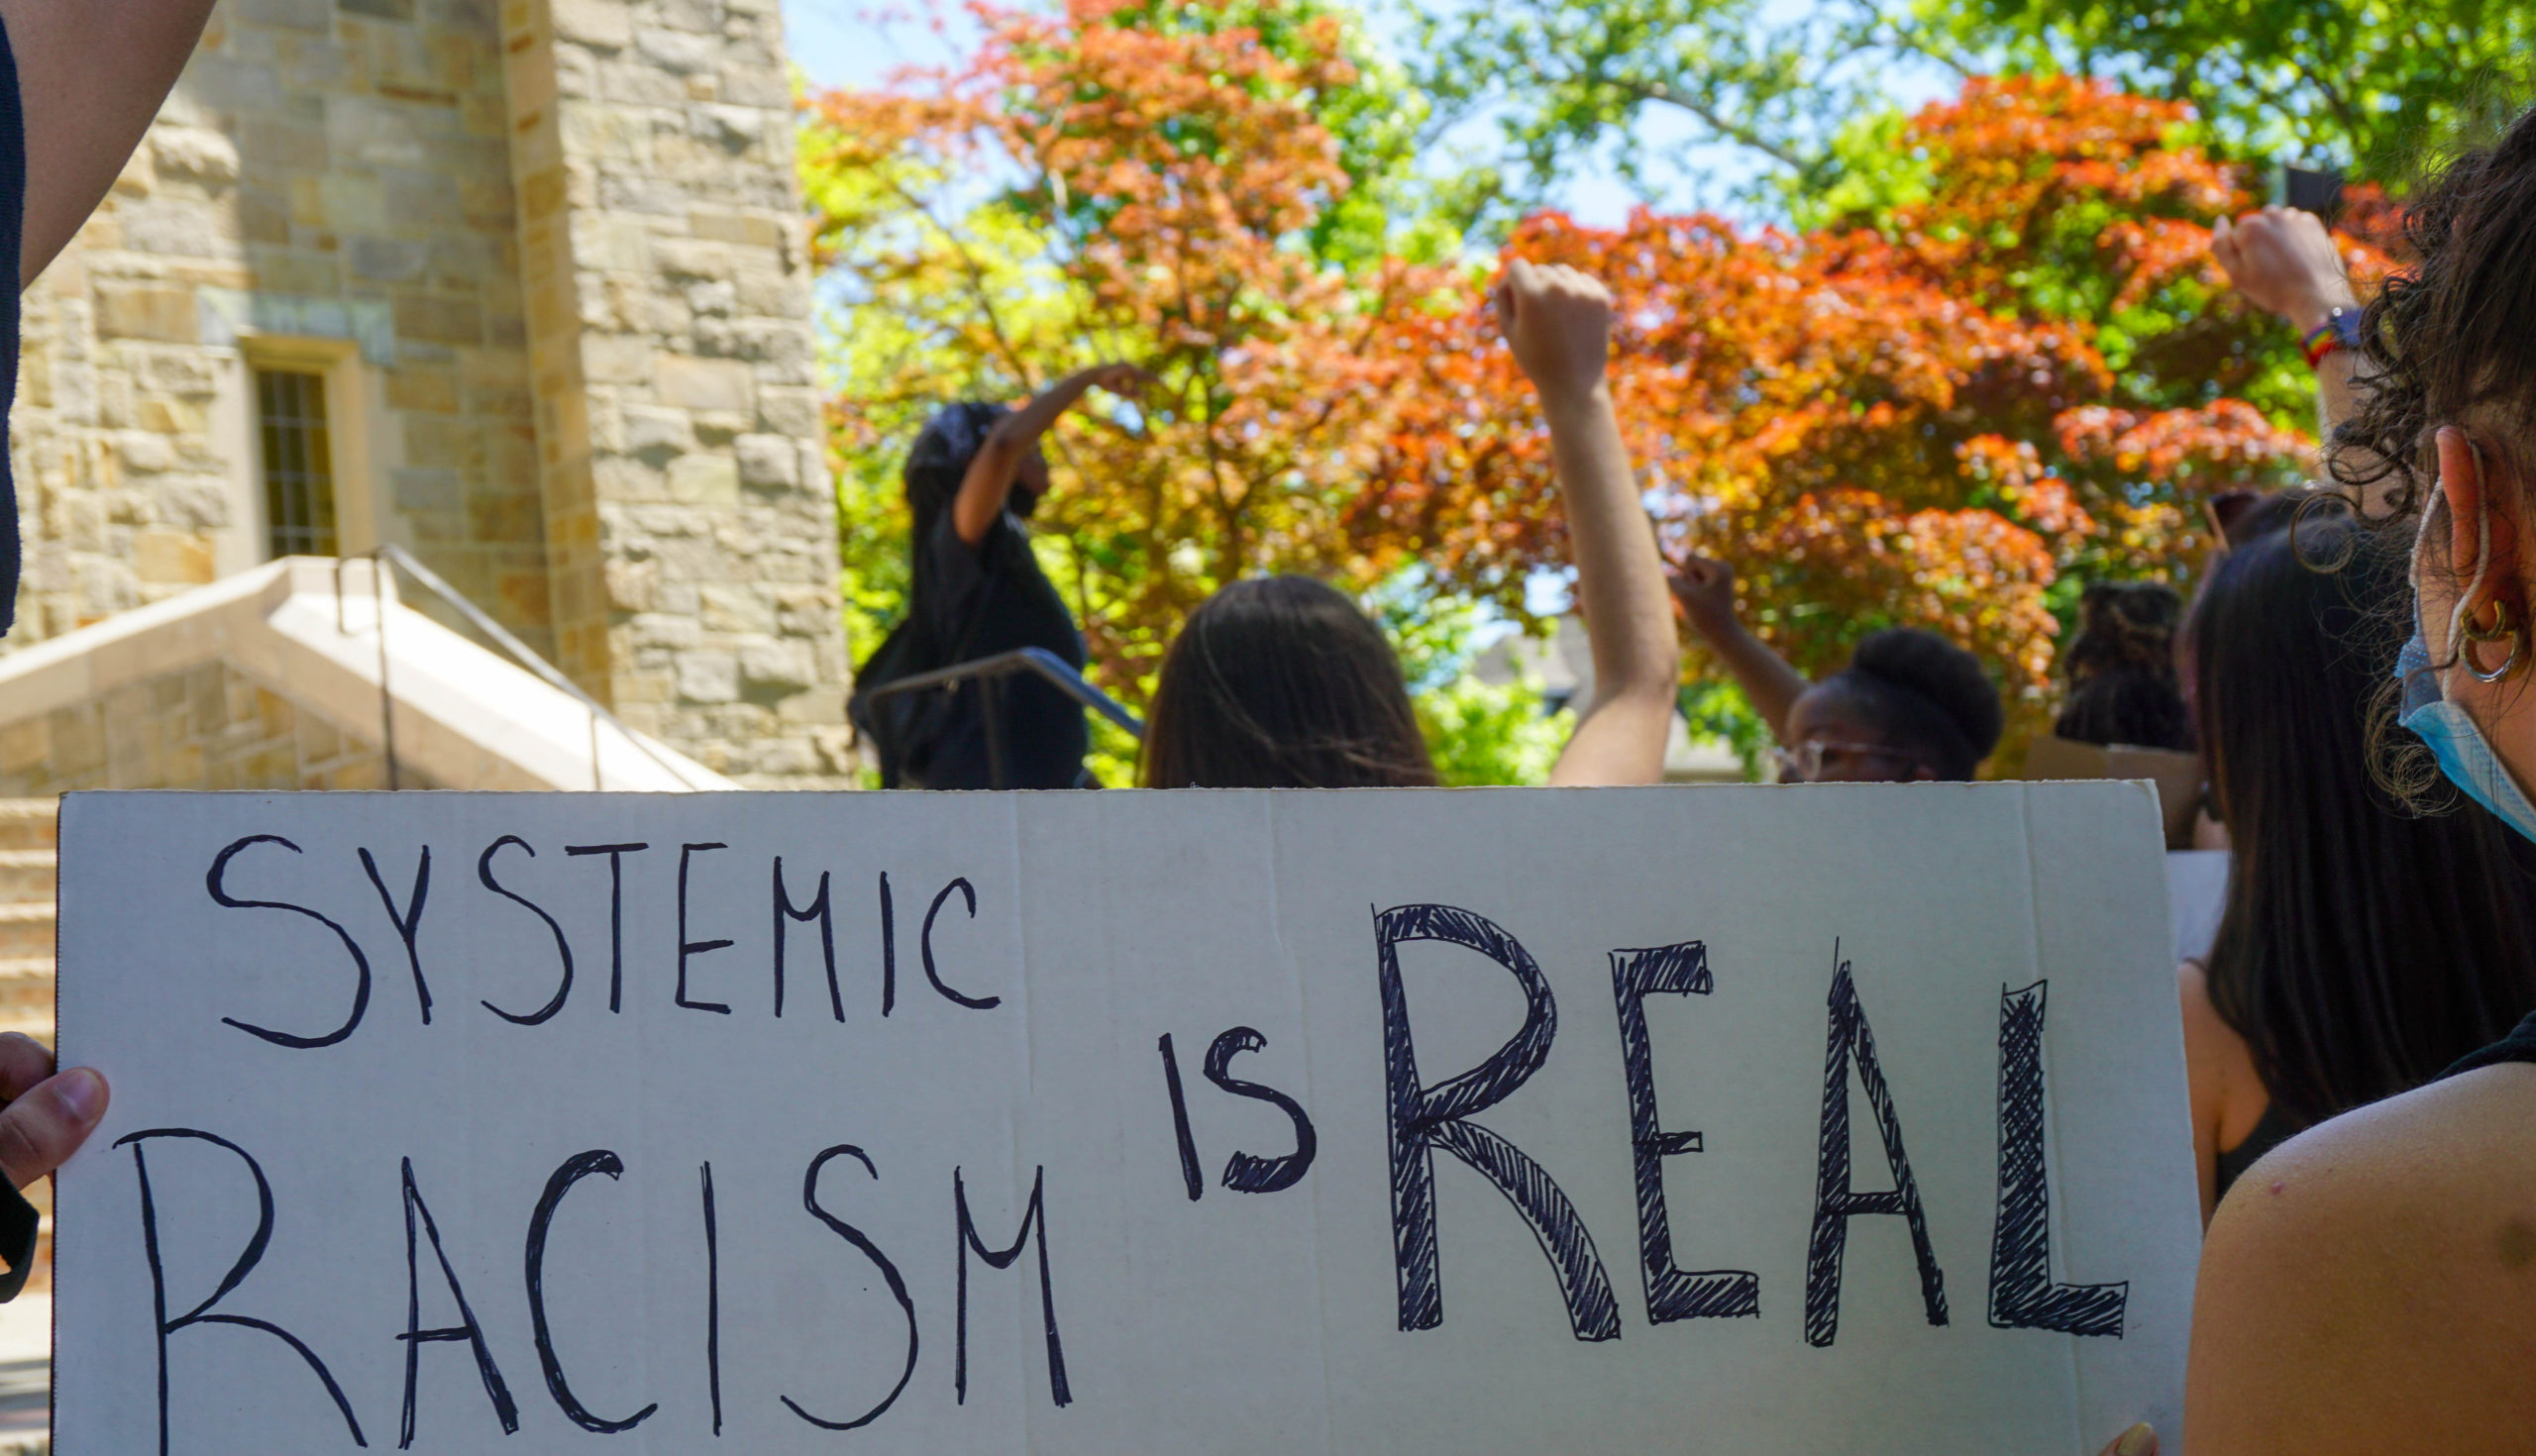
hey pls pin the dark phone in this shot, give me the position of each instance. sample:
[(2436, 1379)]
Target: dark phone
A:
[(2311, 190)]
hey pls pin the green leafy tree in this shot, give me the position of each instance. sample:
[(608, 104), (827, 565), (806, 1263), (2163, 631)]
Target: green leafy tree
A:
[(2358, 85), (2362, 84)]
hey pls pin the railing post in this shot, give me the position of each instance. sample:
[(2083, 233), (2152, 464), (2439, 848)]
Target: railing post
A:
[(991, 695), (382, 585)]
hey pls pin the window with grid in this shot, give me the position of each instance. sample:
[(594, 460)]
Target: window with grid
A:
[(299, 478)]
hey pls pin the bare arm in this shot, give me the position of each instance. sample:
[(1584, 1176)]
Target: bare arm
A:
[(2286, 262), (2366, 1286), (1707, 591), (988, 482), (1558, 323), (2216, 1063), (91, 74)]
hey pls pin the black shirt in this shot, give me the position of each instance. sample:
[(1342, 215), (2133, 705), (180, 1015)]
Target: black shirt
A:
[(989, 598), (13, 216), (2519, 1045)]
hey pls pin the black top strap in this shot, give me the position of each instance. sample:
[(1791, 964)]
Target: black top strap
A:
[(19, 1224), (13, 215), (2519, 1045)]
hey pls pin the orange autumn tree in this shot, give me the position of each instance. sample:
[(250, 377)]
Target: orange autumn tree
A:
[(1197, 187), (2001, 364)]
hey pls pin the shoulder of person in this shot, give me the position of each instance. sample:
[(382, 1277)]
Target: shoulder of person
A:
[(2210, 1044), (2371, 1285)]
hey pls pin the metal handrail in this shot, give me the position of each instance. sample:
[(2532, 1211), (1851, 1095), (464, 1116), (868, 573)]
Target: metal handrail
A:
[(1054, 669), (390, 555), (988, 673)]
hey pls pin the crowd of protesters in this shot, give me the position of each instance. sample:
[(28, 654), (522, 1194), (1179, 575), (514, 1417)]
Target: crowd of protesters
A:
[(2354, 1037), (2352, 673)]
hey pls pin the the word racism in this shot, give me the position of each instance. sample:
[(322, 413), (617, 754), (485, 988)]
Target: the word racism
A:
[(1424, 1115)]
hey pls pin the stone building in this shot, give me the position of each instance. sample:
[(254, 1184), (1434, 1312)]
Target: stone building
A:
[(518, 286)]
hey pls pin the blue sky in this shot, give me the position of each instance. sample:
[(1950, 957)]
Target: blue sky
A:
[(838, 43)]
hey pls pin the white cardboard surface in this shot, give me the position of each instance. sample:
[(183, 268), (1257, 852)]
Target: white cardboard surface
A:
[(1239, 1322), (2197, 887)]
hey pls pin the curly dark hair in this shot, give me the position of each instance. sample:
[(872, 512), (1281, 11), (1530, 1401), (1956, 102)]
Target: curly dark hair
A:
[(1927, 696), (2450, 340), (2121, 666)]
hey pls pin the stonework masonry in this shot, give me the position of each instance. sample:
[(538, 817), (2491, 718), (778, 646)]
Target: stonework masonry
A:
[(204, 727), (548, 259), (333, 185), (688, 515)]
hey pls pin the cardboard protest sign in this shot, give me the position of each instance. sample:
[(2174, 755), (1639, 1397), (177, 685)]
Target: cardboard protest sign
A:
[(2178, 776), (1808, 1119), (2197, 891)]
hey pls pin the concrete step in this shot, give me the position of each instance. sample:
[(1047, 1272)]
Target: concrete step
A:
[(28, 823), (26, 932), (27, 876)]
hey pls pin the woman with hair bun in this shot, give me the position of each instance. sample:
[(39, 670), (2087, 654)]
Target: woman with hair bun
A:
[(2121, 666), (1910, 705)]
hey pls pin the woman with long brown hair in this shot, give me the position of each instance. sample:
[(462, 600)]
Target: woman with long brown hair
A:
[(2365, 946), (1283, 683)]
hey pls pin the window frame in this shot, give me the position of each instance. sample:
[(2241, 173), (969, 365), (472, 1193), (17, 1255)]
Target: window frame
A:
[(348, 384)]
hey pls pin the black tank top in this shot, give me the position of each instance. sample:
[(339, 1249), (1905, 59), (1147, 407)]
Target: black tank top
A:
[(2519, 1045), (2269, 1131), (13, 213)]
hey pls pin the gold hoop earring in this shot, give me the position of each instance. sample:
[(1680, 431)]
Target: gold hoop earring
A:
[(2505, 627)]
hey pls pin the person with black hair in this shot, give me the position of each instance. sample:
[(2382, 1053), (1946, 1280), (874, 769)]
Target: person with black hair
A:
[(1283, 683), (2363, 948), (1910, 704), (972, 478), (2121, 666)]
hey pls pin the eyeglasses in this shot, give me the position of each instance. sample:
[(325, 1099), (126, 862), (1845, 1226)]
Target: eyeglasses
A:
[(1806, 762)]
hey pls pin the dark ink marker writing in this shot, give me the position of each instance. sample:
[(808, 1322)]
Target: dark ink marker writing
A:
[(686, 947), (616, 853), (1671, 1292), (572, 1171), (889, 1274), (969, 894), (238, 1271), (1835, 1203), (1246, 1174), (2022, 1294), (1424, 1119), (213, 882), (563, 946), (1034, 1220), (408, 921)]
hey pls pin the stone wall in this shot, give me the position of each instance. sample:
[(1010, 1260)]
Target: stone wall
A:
[(205, 727), (323, 172), (552, 262), (688, 511)]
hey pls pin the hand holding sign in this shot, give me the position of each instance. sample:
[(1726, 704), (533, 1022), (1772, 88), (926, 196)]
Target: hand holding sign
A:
[(1066, 1124), (43, 1117)]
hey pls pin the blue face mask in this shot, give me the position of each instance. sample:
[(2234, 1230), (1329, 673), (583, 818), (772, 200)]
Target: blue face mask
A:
[(2464, 755)]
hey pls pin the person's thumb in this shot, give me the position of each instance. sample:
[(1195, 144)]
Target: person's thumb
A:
[(41, 1130), (2139, 1440)]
